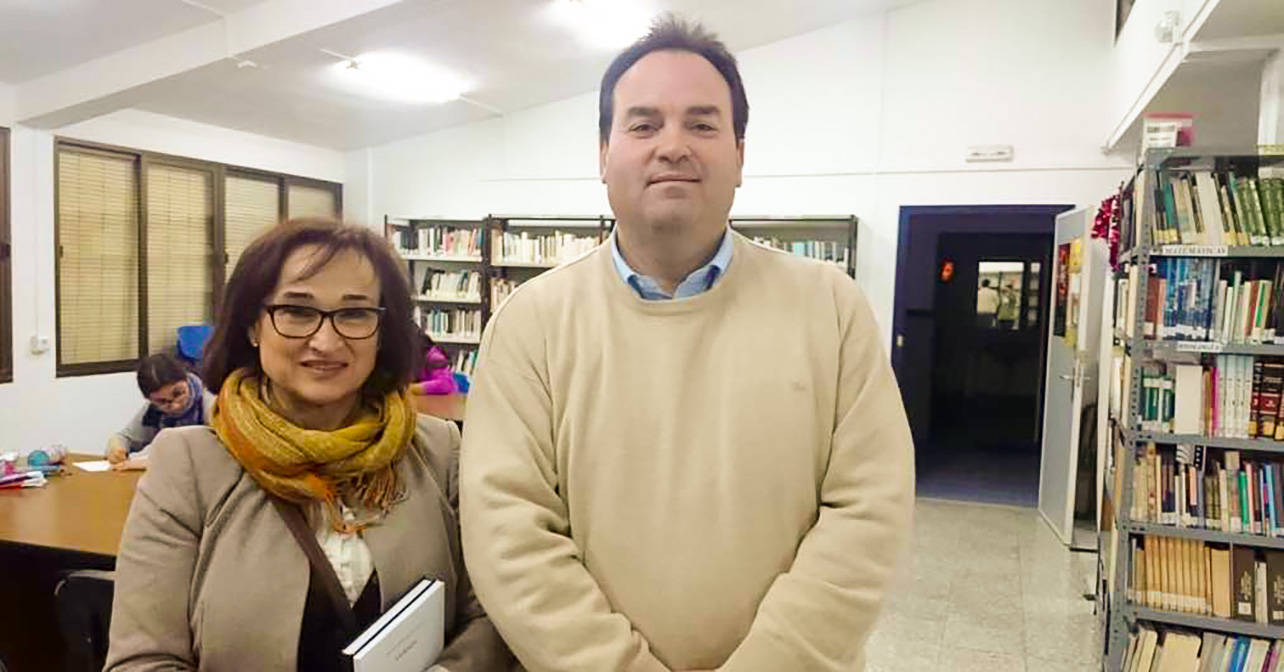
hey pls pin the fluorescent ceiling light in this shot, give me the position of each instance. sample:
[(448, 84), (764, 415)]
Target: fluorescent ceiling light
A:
[(399, 77), (604, 23)]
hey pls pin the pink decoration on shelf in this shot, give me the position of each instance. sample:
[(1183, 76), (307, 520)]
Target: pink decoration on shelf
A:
[(1106, 226)]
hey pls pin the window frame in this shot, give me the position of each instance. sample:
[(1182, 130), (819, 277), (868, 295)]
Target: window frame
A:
[(6, 262), (143, 160)]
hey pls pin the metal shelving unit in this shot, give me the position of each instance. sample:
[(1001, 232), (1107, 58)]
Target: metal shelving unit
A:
[(1121, 616), (482, 261), (844, 229)]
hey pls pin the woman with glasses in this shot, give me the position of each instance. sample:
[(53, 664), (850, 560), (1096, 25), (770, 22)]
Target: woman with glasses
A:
[(175, 398), (318, 497)]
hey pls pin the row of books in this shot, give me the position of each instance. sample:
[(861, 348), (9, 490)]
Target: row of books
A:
[(1196, 487), (1227, 396), (1202, 207), (437, 241), (452, 284), (1224, 301), (555, 247), (1151, 650), (500, 289), (820, 250), (453, 323), (1197, 577), (466, 362)]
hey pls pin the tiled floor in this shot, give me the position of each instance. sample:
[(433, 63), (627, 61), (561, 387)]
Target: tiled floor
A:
[(989, 589)]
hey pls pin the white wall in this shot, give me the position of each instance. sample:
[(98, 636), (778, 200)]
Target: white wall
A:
[(1136, 64), (138, 129), (38, 409), (7, 105), (863, 117)]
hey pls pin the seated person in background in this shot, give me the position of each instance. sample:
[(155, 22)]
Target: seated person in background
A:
[(436, 377), (175, 398), (316, 498)]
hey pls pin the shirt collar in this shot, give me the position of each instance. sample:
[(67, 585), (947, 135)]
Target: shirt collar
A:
[(697, 282)]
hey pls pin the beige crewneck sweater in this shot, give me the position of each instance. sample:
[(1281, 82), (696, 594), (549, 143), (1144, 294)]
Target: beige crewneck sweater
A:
[(723, 481)]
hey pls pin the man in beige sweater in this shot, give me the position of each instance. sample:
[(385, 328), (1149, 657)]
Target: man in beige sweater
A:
[(683, 451)]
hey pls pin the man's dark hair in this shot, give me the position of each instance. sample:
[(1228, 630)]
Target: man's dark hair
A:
[(672, 33), (985, 283)]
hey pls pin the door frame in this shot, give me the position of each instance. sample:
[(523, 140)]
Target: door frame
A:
[(1047, 215)]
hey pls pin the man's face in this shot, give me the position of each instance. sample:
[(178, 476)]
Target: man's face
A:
[(672, 161)]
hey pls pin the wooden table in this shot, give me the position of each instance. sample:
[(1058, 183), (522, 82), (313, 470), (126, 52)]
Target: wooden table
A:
[(74, 522), (445, 406), (78, 511)]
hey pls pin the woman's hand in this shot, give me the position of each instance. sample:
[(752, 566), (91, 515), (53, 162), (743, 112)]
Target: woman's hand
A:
[(116, 452), (130, 465)]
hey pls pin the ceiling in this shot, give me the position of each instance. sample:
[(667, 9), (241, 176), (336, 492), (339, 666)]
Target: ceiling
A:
[(517, 57), (39, 37), (1243, 18)]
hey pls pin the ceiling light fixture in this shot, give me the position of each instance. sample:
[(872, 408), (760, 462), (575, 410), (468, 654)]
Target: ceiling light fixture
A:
[(397, 77), (608, 24)]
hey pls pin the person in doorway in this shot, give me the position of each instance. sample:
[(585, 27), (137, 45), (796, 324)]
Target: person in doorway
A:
[(636, 494), (175, 398), (268, 541), (1009, 306), (987, 305)]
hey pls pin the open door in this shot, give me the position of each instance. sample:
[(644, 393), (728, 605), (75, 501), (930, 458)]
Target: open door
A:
[(1079, 265)]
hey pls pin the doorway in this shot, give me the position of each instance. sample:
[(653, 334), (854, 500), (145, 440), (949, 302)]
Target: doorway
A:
[(969, 346)]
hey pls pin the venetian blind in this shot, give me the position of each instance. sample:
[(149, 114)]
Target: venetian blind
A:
[(98, 257), (251, 206), (309, 201), (180, 242)]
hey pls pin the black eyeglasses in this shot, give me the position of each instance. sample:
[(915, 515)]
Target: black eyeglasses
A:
[(293, 321)]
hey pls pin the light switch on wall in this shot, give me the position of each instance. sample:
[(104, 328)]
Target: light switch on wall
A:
[(39, 344)]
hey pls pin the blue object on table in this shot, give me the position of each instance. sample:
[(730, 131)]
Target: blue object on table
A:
[(461, 381), (191, 342)]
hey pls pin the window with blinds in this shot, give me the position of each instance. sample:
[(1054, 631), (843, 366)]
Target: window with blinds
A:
[(180, 246), (6, 277), (250, 206), (304, 200), (98, 316), (137, 259)]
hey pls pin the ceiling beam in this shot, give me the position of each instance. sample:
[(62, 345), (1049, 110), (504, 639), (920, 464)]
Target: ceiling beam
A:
[(118, 80)]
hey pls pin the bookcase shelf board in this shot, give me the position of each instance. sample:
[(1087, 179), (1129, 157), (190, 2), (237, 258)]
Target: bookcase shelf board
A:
[(1215, 536), (1206, 623)]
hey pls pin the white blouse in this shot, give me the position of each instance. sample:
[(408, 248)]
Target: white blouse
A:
[(347, 552)]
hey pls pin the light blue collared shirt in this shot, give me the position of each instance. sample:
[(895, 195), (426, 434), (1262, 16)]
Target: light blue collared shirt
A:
[(698, 281)]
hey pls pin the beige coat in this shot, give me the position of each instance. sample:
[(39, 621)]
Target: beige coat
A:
[(210, 578)]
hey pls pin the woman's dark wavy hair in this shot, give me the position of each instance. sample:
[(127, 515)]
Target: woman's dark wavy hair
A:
[(258, 271)]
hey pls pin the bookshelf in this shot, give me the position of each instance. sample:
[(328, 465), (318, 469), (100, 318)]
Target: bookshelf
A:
[(824, 238), (1168, 215), (505, 251), (452, 251)]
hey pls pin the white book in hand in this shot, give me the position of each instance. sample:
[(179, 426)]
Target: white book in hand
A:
[(409, 637)]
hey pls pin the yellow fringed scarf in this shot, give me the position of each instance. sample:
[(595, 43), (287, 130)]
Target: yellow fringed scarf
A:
[(302, 465)]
